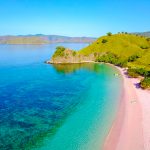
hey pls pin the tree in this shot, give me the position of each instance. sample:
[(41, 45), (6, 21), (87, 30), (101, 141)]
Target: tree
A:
[(104, 41), (109, 33), (74, 53), (59, 51), (145, 83), (133, 58)]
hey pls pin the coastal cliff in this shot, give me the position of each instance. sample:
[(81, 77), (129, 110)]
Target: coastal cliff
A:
[(66, 56)]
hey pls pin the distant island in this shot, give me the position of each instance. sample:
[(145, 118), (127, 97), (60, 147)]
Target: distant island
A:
[(125, 50), (43, 39), (147, 34), (38, 39)]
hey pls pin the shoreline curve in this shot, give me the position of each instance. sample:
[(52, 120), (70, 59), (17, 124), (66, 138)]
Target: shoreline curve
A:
[(127, 132)]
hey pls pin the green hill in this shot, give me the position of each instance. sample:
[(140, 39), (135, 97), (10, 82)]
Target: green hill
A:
[(124, 50), (123, 46)]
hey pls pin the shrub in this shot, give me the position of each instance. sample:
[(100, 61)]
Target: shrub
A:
[(132, 73), (121, 63), (143, 72), (109, 33), (108, 57), (104, 41), (145, 83), (74, 53), (95, 54), (135, 72), (133, 58), (144, 47), (148, 39), (59, 51), (113, 59)]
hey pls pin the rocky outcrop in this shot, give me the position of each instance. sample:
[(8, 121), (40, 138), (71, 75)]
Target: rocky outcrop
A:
[(69, 56)]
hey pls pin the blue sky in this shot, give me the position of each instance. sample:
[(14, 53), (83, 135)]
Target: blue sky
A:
[(73, 17)]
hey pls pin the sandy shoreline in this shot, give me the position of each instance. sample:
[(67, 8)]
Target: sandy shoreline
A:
[(131, 129)]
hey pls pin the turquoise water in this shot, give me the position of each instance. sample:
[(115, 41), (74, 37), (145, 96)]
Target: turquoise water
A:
[(54, 107)]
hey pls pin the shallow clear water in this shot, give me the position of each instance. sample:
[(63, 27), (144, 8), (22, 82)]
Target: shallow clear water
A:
[(54, 107)]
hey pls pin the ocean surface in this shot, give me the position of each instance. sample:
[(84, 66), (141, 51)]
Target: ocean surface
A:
[(54, 107)]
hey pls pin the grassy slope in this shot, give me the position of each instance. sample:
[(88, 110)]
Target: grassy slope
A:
[(124, 46), (144, 61)]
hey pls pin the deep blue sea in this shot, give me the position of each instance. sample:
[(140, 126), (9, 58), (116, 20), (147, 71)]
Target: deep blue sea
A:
[(54, 107)]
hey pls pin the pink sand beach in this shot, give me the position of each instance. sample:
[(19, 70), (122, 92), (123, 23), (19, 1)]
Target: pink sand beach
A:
[(131, 129)]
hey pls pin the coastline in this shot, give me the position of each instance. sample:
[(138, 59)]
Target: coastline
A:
[(82, 62), (130, 130)]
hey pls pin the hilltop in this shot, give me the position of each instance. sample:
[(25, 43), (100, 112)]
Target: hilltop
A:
[(124, 47), (43, 39), (125, 50)]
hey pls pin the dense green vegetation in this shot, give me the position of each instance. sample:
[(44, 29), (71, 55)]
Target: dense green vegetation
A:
[(109, 33), (133, 58), (59, 51), (113, 59), (74, 53), (145, 83), (104, 41), (135, 72)]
